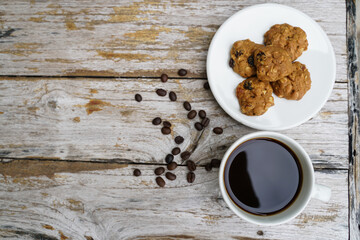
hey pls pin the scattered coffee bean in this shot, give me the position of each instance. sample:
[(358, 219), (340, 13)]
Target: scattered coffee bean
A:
[(165, 130), (182, 72), (198, 126), (137, 172), (160, 181), (166, 124), (138, 97), (164, 77), (215, 163), (156, 121), (169, 158), (190, 177), (207, 86), (171, 166), (218, 130), (161, 92), (185, 155), (172, 96), (191, 165), (205, 122), (187, 106), (202, 114), (175, 151), (179, 139), (208, 167), (191, 114), (170, 176), (260, 233), (159, 170)]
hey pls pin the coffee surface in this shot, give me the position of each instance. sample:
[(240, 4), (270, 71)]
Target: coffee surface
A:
[(263, 176)]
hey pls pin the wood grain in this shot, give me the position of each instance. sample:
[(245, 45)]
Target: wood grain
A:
[(99, 120), (128, 38), (113, 204)]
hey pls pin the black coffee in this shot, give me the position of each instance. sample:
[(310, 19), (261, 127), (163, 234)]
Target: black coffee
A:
[(263, 176)]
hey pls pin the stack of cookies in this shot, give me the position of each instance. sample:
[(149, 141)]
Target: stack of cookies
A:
[(270, 68)]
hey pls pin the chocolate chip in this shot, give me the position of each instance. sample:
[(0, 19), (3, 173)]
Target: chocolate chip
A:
[(192, 114), (239, 53), (247, 85), (164, 77), (137, 172), (187, 106), (208, 167), (185, 155), (165, 130), (207, 86), (170, 176), (190, 177), (215, 163), (182, 72), (260, 56), (218, 130), (159, 170), (161, 92), (171, 166), (191, 165), (250, 60), (169, 158), (205, 122), (160, 181), (231, 63), (175, 151), (166, 124), (156, 121), (179, 139), (202, 114), (198, 126), (138, 97), (172, 96)]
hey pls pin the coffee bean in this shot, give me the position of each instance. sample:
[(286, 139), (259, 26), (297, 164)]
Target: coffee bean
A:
[(161, 92), (156, 121), (166, 124), (172, 96), (182, 72), (187, 105), (160, 181), (260, 233), (190, 177), (215, 163), (202, 114), (218, 130), (170, 176), (171, 166), (137, 172), (175, 151), (191, 165), (198, 126), (191, 114), (207, 86), (208, 167), (159, 170), (185, 155), (169, 158), (205, 122), (179, 140), (138, 97), (165, 130), (164, 77)]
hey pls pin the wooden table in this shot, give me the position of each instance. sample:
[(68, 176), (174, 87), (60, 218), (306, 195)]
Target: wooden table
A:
[(72, 133)]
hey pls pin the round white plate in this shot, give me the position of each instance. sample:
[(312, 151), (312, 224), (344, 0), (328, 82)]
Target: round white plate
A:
[(252, 23)]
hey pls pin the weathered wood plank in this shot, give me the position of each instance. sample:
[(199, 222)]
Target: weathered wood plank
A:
[(128, 38), (77, 201), (99, 120)]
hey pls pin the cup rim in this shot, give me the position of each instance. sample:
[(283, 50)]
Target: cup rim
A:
[(255, 218)]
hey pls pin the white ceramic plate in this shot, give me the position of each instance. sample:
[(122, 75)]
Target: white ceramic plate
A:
[(252, 23)]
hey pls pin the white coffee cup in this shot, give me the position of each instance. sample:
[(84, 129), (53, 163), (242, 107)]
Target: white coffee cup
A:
[(308, 188)]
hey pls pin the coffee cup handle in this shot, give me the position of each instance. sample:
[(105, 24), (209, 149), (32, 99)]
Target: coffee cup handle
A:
[(321, 192)]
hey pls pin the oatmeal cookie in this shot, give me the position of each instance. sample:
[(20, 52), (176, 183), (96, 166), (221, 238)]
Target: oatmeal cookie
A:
[(272, 63), (294, 86), (242, 59), (292, 39), (255, 96)]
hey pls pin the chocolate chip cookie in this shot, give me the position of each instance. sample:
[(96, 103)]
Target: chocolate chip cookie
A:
[(294, 86), (242, 59), (255, 96), (272, 63), (292, 39)]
